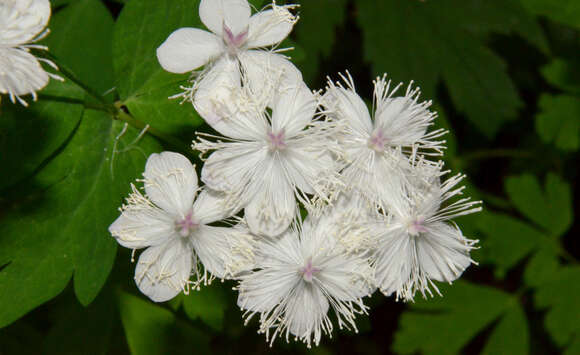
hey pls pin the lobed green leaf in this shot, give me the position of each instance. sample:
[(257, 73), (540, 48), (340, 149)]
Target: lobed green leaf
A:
[(560, 296), (429, 42), (558, 121), (444, 325), (550, 209)]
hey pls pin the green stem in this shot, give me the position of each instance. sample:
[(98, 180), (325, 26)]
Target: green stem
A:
[(72, 77), (496, 153), (117, 111), (123, 116)]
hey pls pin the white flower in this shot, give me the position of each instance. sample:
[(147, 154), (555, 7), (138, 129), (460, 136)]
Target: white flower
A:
[(301, 275), (416, 244), (173, 225), (268, 160), (233, 39), (377, 148), (22, 22)]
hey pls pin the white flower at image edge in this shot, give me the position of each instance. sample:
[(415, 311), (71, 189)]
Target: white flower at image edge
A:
[(22, 22), (172, 224), (300, 276), (235, 34)]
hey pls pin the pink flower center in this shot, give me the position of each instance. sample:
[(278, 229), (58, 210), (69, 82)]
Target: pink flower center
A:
[(276, 141), (416, 227), (186, 225), (308, 271), (377, 141), (234, 41)]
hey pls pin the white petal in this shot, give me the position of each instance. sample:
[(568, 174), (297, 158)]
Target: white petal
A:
[(233, 168), (211, 206), (163, 271), (398, 119), (264, 289), (380, 178), (142, 227), (348, 106), (224, 252), (20, 72), (215, 14), (273, 208), (305, 313), (217, 90), (443, 253), (171, 182), (187, 49), (23, 20), (270, 27), (220, 102), (267, 74), (306, 166), (347, 278), (293, 110), (392, 262), (280, 257)]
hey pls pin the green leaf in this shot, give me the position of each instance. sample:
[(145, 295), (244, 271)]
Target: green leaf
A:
[(502, 17), (574, 347), (257, 4), (151, 329), (444, 325), (121, 160), (81, 38), (208, 304), (424, 41), (563, 11), (542, 265), (82, 330), (560, 296), (510, 336), (65, 227), (559, 121), (508, 240), (550, 209), (143, 85), (564, 74), (319, 17), (153, 105), (33, 134)]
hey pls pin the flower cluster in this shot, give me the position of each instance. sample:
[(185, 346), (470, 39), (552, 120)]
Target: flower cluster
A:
[(22, 23), (379, 208)]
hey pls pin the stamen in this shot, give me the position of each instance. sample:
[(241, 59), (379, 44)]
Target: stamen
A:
[(308, 271), (276, 141), (377, 141), (416, 227), (186, 225), (234, 41)]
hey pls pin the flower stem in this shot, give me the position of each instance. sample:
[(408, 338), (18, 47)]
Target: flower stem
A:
[(72, 77), (122, 115), (496, 153), (118, 110)]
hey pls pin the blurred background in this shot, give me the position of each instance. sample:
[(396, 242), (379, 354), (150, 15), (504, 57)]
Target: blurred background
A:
[(504, 77)]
